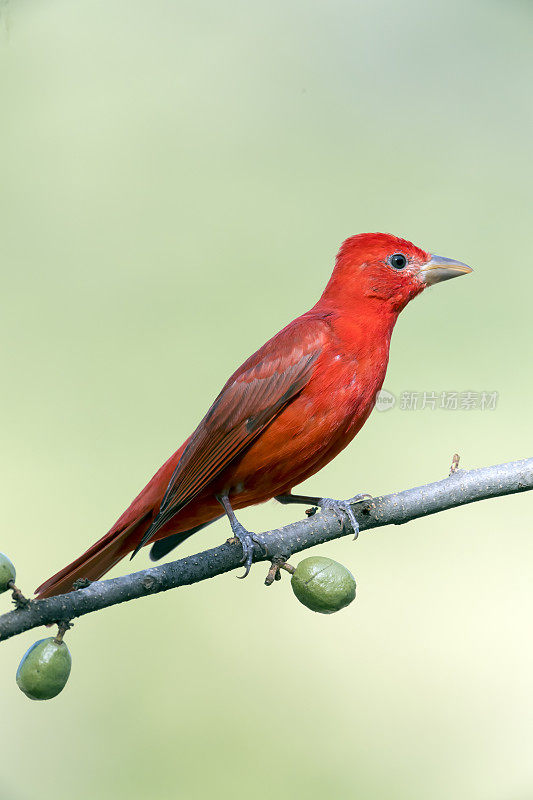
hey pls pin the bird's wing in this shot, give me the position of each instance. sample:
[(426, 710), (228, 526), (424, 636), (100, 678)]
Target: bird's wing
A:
[(249, 401)]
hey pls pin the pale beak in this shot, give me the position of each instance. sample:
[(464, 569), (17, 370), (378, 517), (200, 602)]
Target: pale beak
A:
[(439, 269)]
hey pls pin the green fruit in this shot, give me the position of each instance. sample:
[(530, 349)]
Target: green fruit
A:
[(323, 585), (7, 573), (44, 669)]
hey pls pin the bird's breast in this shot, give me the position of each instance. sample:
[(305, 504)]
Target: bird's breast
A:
[(313, 428)]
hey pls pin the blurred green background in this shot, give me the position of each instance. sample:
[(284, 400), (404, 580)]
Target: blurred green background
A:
[(175, 181)]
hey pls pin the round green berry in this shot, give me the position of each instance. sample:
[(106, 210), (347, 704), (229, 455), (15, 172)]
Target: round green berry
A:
[(323, 585), (44, 669), (7, 573)]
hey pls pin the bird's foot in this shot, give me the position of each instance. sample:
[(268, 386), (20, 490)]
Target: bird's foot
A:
[(343, 509), (248, 541)]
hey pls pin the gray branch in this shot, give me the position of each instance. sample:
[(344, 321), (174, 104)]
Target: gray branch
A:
[(393, 509)]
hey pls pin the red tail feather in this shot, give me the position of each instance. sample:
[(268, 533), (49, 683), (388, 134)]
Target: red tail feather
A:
[(98, 559)]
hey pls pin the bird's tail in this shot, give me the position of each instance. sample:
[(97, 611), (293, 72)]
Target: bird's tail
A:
[(99, 558)]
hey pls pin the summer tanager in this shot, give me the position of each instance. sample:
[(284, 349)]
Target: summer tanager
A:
[(284, 414)]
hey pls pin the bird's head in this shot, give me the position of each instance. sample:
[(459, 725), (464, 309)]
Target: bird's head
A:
[(387, 269)]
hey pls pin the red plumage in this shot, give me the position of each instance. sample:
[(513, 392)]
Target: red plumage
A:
[(284, 414)]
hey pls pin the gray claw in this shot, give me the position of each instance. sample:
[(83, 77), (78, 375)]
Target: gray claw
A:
[(343, 509), (247, 541)]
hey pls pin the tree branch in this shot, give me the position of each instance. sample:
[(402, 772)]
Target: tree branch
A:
[(394, 509)]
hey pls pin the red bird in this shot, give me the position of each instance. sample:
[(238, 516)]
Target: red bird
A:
[(284, 414)]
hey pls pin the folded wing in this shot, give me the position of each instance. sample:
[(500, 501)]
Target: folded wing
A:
[(250, 400)]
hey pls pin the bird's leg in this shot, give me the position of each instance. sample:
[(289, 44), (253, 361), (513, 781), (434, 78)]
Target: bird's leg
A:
[(342, 508), (246, 538)]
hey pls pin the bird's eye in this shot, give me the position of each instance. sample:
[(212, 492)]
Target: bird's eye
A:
[(398, 261)]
